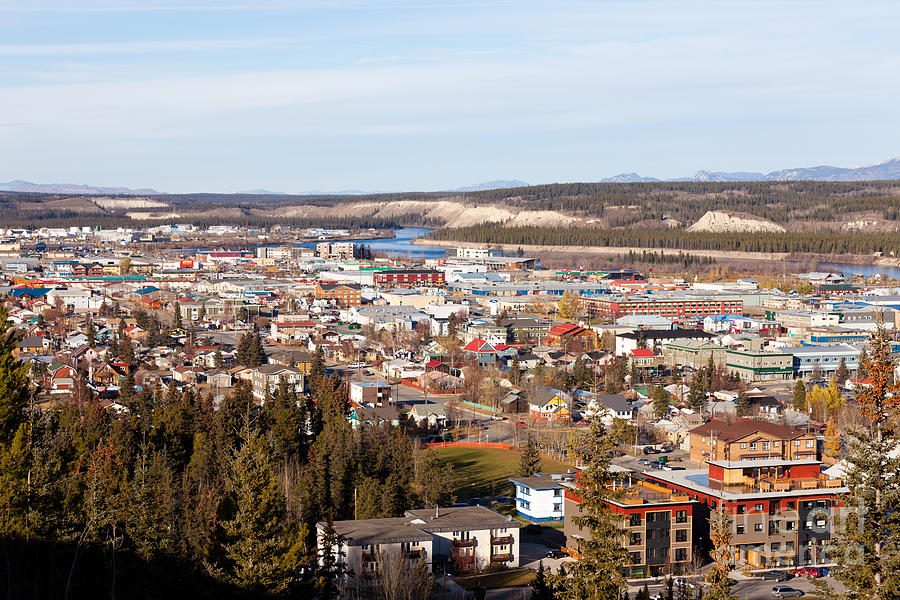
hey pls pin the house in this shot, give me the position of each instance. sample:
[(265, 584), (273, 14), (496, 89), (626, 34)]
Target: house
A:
[(376, 393), (62, 377), (572, 337), (613, 406), (754, 362), (485, 352), (266, 378), (550, 404), (458, 540), (748, 440), (429, 414), (539, 498), (655, 338), (32, 345), (373, 416)]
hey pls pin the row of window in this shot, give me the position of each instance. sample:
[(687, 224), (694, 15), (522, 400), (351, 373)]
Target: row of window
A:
[(681, 535)]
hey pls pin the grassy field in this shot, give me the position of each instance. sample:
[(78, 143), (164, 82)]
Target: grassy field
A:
[(502, 579), (481, 472)]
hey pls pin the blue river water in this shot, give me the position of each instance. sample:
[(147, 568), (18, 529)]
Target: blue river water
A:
[(401, 244)]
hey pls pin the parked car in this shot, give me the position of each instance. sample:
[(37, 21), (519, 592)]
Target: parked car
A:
[(555, 554), (644, 461), (775, 575), (657, 596), (650, 450), (785, 591), (496, 418), (679, 582), (808, 572), (521, 424)]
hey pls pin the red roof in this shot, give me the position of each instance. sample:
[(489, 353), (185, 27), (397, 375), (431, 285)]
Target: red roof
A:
[(563, 329), (642, 353), (478, 346), (433, 363)]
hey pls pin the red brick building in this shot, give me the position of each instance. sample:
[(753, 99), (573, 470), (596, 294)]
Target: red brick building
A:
[(408, 277), (671, 307)]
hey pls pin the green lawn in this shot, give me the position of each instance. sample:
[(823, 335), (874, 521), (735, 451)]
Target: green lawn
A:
[(480, 472), (501, 579)]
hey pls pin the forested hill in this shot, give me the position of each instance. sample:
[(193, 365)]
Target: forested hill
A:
[(796, 205)]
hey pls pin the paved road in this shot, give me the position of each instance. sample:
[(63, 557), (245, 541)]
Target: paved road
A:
[(752, 589)]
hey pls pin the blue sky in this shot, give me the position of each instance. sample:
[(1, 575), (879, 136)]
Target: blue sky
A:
[(227, 95)]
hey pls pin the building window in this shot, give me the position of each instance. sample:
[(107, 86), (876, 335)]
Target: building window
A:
[(740, 530), (635, 558), (743, 445), (775, 444), (789, 525), (758, 507), (757, 527), (765, 445), (753, 445), (635, 539), (810, 443), (681, 535), (681, 516), (741, 509), (680, 554), (651, 553), (634, 520)]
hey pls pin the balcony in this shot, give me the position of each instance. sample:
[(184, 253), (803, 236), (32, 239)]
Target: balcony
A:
[(470, 543), (415, 553), (501, 557), (501, 540)]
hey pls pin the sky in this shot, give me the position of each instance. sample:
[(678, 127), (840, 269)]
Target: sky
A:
[(399, 95)]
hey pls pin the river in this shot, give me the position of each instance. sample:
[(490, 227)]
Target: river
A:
[(848, 269), (401, 244)]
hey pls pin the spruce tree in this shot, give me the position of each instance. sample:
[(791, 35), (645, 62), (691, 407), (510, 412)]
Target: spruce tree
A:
[(598, 576), (841, 374), (798, 402), (529, 458), (176, 315), (258, 557), (871, 531), (14, 388), (540, 586), (743, 403)]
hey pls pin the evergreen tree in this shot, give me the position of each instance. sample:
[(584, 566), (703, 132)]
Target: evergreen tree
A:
[(540, 586), (743, 403), (529, 458), (259, 554), (91, 333), (176, 315), (841, 374), (126, 350), (14, 389), (669, 587), (798, 402), (598, 576), (871, 536), (660, 398), (218, 360), (862, 370)]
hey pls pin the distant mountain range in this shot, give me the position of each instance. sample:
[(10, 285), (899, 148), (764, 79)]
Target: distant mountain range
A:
[(887, 170), (498, 184), (17, 185)]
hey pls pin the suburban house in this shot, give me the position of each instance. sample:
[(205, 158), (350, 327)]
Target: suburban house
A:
[(267, 378), (550, 404), (572, 337), (376, 393), (539, 498)]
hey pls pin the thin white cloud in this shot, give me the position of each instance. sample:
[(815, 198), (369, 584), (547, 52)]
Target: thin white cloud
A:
[(144, 47)]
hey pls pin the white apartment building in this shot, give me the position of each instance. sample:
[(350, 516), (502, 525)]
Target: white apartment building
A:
[(450, 540)]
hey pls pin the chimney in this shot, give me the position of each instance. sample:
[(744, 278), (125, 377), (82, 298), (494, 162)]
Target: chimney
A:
[(437, 511)]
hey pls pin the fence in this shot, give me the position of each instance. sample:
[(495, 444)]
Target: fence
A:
[(501, 445)]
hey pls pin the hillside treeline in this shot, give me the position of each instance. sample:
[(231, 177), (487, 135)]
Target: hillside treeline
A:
[(173, 498), (792, 242), (620, 204)]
